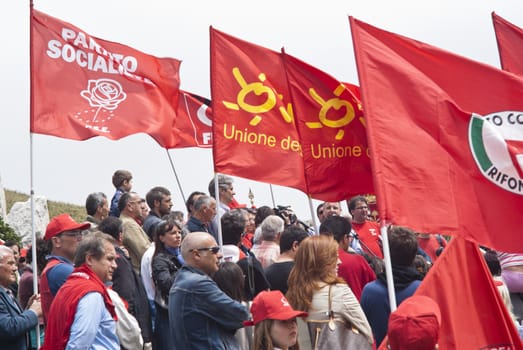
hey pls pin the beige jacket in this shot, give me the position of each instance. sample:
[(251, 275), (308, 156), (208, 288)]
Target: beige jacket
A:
[(344, 304), (135, 240)]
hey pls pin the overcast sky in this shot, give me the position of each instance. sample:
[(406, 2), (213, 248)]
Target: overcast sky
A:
[(316, 32)]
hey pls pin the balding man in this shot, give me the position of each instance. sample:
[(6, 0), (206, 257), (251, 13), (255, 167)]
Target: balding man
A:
[(201, 315)]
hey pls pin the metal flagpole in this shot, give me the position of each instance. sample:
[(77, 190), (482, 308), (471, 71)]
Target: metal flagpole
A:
[(388, 267), (313, 216), (272, 197), (31, 169), (175, 175), (218, 212)]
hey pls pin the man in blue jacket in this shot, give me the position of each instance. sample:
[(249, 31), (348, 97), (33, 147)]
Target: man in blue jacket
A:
[(374, 301), (201, 315)]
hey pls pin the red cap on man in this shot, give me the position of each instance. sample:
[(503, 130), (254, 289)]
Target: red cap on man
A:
[(62, 223)]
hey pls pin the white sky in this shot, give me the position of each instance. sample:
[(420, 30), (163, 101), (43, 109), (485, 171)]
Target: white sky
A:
[(316, 32)]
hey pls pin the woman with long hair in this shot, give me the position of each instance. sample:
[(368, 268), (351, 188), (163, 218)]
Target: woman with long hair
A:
[(165, 264), (314, 285)]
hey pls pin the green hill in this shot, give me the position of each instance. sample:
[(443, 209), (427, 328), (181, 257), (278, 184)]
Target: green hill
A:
[(55, 208)]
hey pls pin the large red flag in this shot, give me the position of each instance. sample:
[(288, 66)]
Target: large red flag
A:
[(193, 121), (438, 126), (254, 132), (510, 44), (332, 133), (82, 86), (473, 315)]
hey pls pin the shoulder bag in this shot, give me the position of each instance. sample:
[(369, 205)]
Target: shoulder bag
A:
[(333, 333)]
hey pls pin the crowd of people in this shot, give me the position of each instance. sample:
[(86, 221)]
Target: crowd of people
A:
[(137, 274)]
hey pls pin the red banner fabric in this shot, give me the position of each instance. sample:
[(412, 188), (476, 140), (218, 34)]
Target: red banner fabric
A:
[(332, 133), (438, 138), (194, 121), (254, 132), (473, 317), (510, 44), (82, 86)]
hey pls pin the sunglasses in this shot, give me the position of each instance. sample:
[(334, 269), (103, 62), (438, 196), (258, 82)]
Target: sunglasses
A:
[(214, 250)]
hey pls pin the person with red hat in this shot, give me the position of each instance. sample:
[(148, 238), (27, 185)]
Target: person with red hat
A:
[(414, 325), (274, 322), (63, 234)]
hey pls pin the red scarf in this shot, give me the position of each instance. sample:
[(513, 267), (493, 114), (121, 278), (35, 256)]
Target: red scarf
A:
[(61, 315)]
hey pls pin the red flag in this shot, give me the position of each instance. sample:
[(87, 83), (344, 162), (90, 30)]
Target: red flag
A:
[(474, 316), (193, 121), (82, 86), (254, 133), (332, 133), (510, 44), (437, 126)]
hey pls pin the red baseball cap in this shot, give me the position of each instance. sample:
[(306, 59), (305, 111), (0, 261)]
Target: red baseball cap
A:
[(61, 223), (272, 305), (415, 324)]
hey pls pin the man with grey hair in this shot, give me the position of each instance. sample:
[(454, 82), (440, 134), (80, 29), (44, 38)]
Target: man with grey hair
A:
[(135, 240), (224, 198), (201, 315), (15, 323), (204, 210), (82, 315), (97, 208), (269, 249)]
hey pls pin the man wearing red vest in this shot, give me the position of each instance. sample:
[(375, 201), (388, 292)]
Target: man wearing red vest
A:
[(64, 234), (82, 315)]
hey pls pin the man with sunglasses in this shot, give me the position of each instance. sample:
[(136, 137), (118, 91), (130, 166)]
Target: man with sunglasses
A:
[(63, 235), (201, 315)]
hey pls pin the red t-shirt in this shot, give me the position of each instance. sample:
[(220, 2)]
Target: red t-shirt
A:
[(355, 270), (369, 233)]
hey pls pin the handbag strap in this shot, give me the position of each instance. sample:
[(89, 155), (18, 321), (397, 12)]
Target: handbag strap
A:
[(331, 313)]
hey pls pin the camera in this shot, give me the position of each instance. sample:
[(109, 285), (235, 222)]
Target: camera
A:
[(286, 213)]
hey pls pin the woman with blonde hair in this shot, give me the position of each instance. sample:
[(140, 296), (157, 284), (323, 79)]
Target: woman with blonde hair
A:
[(314, 286)]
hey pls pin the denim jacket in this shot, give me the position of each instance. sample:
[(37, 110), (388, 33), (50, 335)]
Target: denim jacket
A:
[(201, 315)]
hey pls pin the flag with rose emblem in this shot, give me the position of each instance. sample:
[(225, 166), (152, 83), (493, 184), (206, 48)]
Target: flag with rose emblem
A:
[(82, 86)]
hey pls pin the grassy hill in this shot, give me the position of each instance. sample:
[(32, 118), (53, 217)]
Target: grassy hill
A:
[(55, 208)]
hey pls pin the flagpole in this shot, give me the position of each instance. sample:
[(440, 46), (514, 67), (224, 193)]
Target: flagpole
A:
[(313, 216), (272, 196), (218, 212), (175, 175), (388, 267), (31, 168)]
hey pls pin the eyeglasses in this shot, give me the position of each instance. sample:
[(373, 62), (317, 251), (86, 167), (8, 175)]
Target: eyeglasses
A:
[(213, 250), (76, 233)]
